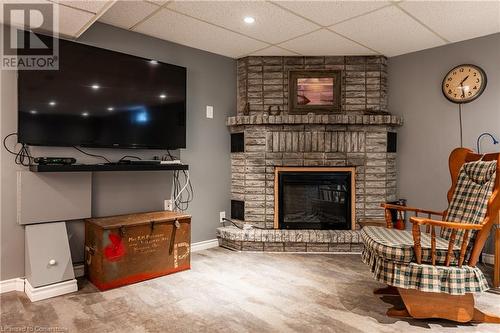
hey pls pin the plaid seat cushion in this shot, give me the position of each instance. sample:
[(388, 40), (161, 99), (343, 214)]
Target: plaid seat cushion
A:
[(390, 254), (397, 245), (452, 280), (469, 202)]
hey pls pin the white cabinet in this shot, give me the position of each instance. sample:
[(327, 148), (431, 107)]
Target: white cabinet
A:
[(48, 257)]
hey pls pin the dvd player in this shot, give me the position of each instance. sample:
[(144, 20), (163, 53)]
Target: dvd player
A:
[(55, 160)]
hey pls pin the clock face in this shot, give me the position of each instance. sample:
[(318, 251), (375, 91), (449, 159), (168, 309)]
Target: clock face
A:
[(464, 83)]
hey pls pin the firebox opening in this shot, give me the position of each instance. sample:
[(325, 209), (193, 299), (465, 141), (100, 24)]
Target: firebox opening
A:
[(313, 199)]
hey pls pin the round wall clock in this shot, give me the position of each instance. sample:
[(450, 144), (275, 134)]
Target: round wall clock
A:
[(464, 83)]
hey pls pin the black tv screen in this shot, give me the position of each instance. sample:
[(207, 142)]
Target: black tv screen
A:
[(101, 98)]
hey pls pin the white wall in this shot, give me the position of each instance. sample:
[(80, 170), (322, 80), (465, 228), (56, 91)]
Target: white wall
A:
[(211, 81)]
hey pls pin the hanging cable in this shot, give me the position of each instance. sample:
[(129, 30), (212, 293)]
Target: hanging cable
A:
[(126, 157), (92, 155), (183, 191), (182, 188), (23, 156), (460, 119)]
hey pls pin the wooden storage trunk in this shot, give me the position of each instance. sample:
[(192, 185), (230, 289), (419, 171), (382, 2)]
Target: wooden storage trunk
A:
[(125, 249)]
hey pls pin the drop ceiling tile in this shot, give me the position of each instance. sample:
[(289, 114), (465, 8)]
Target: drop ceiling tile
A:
[(17, 19), (185, 30), (71, 21), (330, 12), (457, 21), (389, 31), (325, 42), (272, 51), (272, 24), (93, 6), (125, 14)]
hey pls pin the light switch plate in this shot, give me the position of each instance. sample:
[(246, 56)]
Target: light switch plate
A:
[(210, 111)]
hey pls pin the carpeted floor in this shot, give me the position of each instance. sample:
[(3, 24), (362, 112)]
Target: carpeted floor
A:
[(234, 292)]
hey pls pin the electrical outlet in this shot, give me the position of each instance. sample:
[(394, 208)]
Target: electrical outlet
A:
[(222, 216), (168, 205)]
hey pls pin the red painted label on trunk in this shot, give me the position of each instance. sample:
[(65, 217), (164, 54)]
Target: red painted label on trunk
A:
[(115, 250)]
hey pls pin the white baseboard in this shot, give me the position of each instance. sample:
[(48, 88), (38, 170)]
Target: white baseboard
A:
[(203, 245), (40, 293), (16, 284), (488, 258), (52, 290)]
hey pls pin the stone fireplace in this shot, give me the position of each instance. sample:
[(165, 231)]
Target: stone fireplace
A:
[(360, 139), (361, 142)]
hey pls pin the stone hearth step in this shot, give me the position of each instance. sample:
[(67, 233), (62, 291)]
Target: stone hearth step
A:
[(277, 240)]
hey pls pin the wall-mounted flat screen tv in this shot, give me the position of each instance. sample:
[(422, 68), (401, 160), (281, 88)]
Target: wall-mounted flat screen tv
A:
[(101, 98)]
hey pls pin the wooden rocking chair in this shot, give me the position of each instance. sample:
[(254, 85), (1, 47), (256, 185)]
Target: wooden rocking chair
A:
[(435, 273)]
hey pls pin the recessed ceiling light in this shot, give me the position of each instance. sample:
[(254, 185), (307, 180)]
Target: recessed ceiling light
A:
[(249, 20), (85, 114), (111, 108), (33, 111), (153, 62), (163, 96), (52, 103), (95, 86)]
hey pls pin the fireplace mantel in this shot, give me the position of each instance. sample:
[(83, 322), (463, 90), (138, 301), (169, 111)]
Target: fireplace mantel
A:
[(316, 119)]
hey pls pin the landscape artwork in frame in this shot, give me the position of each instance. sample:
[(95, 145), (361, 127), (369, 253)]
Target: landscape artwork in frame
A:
[(311, 91), (315, 91)]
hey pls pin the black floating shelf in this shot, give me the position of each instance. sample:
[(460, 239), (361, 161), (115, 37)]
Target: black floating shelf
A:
[(108, 167)]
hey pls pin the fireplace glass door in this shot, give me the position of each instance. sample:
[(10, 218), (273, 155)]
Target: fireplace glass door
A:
[(314, 200)]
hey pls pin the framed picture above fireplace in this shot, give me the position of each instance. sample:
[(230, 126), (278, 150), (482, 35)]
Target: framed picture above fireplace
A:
[(314, 91)]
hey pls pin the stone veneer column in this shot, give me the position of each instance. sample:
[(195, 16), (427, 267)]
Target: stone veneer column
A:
[(357, 136), (263, 81)]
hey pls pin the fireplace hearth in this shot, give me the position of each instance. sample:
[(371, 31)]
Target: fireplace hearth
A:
[(314, 198)]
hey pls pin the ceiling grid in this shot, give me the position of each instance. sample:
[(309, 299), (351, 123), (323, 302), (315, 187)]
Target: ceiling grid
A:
[(284, 28)]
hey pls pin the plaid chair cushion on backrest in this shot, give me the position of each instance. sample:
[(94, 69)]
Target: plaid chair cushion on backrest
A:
[(470, 199)]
